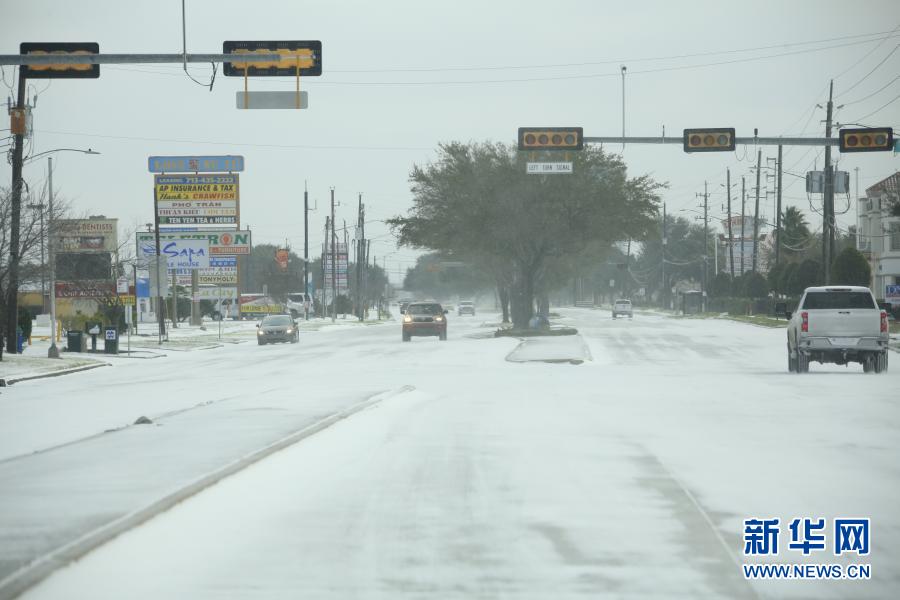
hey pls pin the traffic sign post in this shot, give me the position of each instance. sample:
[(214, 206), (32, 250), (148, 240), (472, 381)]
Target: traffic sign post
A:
[(271, 100), (549, 168), (195, 164)]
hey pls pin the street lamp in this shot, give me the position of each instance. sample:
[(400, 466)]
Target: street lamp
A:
[(53, 352)]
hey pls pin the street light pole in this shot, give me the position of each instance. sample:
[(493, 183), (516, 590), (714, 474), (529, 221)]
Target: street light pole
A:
[(53, 352)]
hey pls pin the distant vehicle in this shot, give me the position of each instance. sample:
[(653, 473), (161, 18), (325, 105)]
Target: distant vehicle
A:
[(837, 324), (277, 328), (298, 303), (425, 318), (403, 303), (466, 307), (623, 308)]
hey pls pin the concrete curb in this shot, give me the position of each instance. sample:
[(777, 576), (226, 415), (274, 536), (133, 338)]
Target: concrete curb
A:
[(6, 381), (26, 577)]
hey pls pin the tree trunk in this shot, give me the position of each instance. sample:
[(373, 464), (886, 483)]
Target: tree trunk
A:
[(503, 293), (522, 299), (544, 304)]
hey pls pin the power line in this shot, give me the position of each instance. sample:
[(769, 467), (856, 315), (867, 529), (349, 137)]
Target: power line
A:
[(885, 35), (549, 78), (888, 103), (882, 88), (864, 56), (875, 68), (256, 145)]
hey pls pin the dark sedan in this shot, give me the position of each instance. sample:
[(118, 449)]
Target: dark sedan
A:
[(277, 328)]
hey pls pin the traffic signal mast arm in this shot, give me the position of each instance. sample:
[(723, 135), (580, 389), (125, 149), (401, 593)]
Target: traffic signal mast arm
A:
[(758, 141), (99, 59)]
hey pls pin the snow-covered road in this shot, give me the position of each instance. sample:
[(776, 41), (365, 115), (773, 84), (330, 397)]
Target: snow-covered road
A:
[(629, 475)]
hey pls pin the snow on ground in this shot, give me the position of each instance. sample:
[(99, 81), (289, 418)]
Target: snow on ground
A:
[(625, 476), (14, 366)]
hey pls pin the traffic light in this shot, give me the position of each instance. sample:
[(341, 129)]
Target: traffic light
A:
[(551, 138), (720, 139), (307, 54), (874, 139), (60, 70)]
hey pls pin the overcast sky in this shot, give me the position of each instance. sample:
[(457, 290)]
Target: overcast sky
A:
[(400, 77)]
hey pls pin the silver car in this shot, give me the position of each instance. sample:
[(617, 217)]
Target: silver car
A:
[(277, 328), (622, 308)]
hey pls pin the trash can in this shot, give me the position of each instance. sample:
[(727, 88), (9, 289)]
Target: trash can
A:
[(20, 340), (75, 341), (111, 340)]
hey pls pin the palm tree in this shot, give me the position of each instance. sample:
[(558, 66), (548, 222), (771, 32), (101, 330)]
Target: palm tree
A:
[(795, 230)]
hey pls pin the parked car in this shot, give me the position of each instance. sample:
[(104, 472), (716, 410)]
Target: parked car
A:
[(837, 324), (277, 328), (425, 318), (623, 308), (466, 307)]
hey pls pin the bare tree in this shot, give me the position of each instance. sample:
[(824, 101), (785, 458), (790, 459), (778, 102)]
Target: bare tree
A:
[(35, 228)]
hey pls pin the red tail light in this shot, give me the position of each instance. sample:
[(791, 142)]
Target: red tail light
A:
[(804, 326), (884, 323)]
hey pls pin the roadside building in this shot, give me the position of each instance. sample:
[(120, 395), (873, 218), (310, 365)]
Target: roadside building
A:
[(879, 236)]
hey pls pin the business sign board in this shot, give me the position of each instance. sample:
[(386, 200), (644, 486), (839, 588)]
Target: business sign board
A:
[(892, 293), (197, 199), (340, 269), (736, 227), (220, 242), (85, 235), (85, 289), (211, 276), (195, 164), (216, 293), (179, 253)]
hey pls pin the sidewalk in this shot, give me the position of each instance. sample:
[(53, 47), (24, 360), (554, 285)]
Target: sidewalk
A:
[(34, 364)]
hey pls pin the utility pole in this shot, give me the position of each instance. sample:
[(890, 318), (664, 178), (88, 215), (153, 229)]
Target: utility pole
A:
[(160, 301), (12, 294), (360, 240), (778, 212), (175, 298), (324, 267), (306, 250), (756, 211), (730, 237), (828, 204), (743, 201), (366, 275), (623, 107), (665, 288), (705, 245), (333, 262)]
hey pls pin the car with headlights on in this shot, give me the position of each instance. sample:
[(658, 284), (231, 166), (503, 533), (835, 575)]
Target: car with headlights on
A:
[(424, 318), (277, 328)]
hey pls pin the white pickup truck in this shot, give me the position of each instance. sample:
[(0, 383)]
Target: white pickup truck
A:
[(837, 324)]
